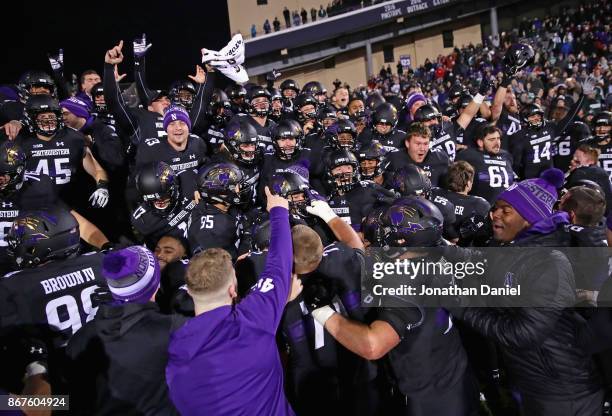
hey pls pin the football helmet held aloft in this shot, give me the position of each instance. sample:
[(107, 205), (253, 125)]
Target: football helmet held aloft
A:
[(517, 57)]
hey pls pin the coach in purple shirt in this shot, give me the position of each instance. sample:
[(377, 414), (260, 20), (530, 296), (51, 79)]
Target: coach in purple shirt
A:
[(225, 360)]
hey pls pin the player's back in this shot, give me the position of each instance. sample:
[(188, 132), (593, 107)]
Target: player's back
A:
[(56, 296)]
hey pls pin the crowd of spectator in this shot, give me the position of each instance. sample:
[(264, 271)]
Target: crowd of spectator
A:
[(301, 17), (569, 48)]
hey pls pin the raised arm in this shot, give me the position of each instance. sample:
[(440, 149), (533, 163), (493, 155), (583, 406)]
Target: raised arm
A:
[(498, 100), (57, 68), (206, 85), (472, 109), (341, 229), (112, 95), (140, 51), (265, 303), (587, 87)]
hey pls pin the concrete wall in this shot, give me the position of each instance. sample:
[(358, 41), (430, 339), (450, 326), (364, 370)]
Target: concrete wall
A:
[(350, 67), (243, 13)]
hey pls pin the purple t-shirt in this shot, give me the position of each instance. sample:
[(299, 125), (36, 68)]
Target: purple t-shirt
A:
[(225, 361)]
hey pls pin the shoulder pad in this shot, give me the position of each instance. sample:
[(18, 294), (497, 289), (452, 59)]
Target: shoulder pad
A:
[(480, 199)]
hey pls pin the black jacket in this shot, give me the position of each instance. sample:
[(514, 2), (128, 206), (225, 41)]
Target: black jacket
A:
[(118, 362), (540, 345)]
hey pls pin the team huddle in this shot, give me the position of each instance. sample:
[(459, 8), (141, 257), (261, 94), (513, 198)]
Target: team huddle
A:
[(86, 178)]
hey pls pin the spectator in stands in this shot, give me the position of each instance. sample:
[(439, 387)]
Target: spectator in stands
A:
[(287, 16), (253, 30), (313, 14), (266, 27), (276, 24), (296, 18), (304, 15), (322, 12)]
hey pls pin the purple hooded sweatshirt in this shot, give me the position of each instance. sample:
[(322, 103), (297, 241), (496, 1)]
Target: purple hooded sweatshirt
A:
[(225, 361)]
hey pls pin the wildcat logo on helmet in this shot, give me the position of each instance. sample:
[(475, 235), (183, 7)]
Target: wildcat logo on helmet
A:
[(166, 175), (412, 227)]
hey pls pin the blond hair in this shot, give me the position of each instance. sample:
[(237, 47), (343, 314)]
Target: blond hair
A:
[(307, 249), (209, 271)]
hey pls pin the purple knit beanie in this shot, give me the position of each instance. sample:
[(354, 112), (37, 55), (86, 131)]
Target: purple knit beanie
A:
[(76, 106), (413, 98), (176, 113), (132, 274), (535, 198)]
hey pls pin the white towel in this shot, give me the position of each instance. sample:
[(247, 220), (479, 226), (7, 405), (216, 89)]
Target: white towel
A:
[(228, 60)]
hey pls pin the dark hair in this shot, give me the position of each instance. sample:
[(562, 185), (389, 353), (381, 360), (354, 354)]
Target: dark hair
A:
[(418, 129), (587, 204), (459, 174), (486, 129), (87, 72), (181, 240)]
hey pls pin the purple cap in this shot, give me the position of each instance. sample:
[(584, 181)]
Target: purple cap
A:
[(132, 274), (534, 199), (174, 113), (76, 106)]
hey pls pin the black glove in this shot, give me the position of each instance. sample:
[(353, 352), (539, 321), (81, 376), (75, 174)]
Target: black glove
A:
[(471, 226), (100, 296), (36, 356), (485, 86), (317, 292), (35, 350), (506, 81), (273, 75)]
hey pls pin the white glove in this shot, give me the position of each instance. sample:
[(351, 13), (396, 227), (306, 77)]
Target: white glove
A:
[(322, 210), (321, 315), (140, 46), (57, 61), (99, 198), (588, 85)]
